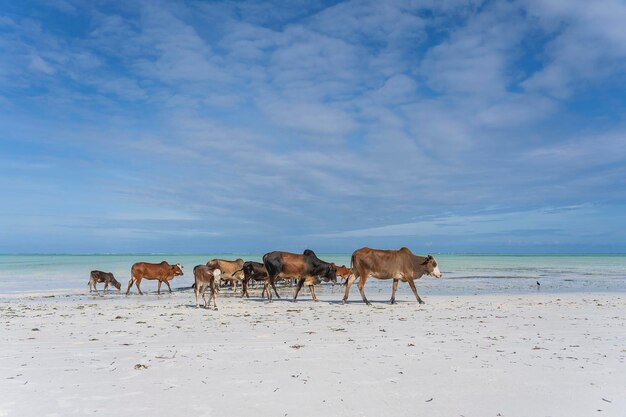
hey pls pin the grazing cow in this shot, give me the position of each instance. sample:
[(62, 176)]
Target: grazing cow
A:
[(106, 277), (343, 272), (231, 271), (306, 267), (162, 272), (205, 277), (390, 264)]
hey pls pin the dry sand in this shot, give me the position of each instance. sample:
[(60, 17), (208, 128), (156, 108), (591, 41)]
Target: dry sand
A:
[(529, 355)]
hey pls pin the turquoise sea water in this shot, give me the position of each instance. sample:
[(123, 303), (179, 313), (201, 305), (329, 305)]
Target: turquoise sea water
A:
[(463, 274)]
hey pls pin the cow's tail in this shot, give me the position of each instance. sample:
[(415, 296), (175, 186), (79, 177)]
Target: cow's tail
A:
[(352, 269), (193, 286), (237, 271), (272, 270)]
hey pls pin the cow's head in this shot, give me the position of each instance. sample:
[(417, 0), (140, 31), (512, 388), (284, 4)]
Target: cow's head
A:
[(331, 274), (116, 283), (431, 266), (177, 270)]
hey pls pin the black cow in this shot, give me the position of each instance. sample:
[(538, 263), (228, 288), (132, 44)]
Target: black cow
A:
[(253, 271), (106, 277), (306, 267)]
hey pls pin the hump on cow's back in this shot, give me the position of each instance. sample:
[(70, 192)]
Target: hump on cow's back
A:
[(308, 252), (405, 249)]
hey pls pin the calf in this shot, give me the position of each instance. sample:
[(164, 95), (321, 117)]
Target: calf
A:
[(205, 277), (162, 272), (106, 277), (343, 272)]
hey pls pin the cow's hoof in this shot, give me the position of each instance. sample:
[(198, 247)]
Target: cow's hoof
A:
[(197, 306), (422, 302), (393, 302), (215, 309)]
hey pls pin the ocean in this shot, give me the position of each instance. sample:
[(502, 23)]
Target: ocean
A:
[(462, 274)]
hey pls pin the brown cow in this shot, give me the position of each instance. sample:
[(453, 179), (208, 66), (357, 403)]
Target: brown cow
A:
[(163, 272), (106, 277), (390, 264), (306, 267), (205, 277), (231, 271), (343, 272)]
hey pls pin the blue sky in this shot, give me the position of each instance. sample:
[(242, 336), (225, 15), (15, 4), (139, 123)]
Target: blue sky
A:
[(445, 126)]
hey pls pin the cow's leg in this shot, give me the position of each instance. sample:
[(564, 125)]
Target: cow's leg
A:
[(131, 281), (275, 290), (273, 284), (312, 291), (91, 285), (300, 283), (244, 288), (137, 284), (266, 286), (213, 296), (417, 297), (196, 291), (204, 285), (159, 287), (168, 286), (361, 286), (393, 291), (349, 283), (106, 285)]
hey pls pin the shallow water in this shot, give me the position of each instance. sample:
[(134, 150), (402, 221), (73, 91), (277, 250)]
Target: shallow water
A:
[(463, 274)]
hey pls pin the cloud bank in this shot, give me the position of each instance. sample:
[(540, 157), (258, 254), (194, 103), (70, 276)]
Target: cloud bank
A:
[(250, 126)]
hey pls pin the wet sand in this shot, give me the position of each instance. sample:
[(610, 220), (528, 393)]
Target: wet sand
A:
[(496, 355)]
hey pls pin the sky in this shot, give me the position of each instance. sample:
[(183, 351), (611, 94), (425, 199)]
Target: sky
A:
[(245, 127)]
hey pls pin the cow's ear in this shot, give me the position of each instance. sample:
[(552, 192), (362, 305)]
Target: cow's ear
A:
[(426, 260)]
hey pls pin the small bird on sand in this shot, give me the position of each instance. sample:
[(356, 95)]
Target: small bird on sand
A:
[(538, 284)]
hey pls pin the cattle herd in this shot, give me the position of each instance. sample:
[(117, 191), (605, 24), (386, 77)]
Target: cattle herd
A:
[(305, 268)]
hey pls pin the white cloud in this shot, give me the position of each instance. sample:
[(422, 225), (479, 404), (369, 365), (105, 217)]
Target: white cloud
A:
[(360, 113), (39, 64)]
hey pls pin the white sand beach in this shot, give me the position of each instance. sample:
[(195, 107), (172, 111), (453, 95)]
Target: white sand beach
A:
[(495, 355)]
